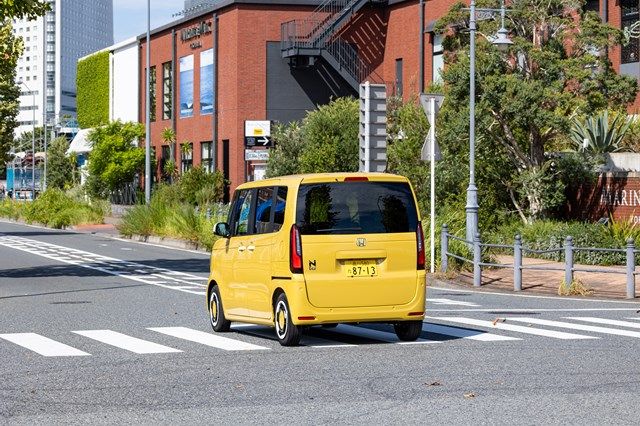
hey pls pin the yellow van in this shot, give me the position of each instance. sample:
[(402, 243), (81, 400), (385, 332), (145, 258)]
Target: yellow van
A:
[(320, 249)]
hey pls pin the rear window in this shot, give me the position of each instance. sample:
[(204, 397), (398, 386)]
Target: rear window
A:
[(356, 208)]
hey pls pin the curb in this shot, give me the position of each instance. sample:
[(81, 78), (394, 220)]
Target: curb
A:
[(167, 242)]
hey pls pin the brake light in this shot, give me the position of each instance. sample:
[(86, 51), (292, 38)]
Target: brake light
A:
[(295, 251), (420, 244), (356, 179)]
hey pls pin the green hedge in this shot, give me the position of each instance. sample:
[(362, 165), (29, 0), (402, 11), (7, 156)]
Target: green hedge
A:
[(93, 90)]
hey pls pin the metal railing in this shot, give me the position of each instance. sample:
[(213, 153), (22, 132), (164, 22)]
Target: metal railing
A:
[(568, 250), (347, 56), (312, 31)]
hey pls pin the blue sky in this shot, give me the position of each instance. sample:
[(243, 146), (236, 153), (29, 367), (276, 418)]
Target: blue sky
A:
[(130, 16)]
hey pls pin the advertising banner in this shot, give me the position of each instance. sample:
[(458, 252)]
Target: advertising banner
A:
[(186, 86), (206, 81)]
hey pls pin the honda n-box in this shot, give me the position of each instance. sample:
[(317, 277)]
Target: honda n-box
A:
[(320, 249)]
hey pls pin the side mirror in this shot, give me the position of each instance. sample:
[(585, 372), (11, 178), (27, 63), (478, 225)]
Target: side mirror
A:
[(221, 229)]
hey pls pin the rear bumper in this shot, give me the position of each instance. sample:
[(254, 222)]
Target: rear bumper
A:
[(304, 313)]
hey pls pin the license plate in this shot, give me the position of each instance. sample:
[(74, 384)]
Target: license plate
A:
[(361, 268)]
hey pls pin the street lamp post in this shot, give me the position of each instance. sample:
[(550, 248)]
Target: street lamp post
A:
[(502, 41), (33, 142)]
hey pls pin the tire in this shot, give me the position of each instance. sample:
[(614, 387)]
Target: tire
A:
[(216, 313), (287, 332), (408, 331)]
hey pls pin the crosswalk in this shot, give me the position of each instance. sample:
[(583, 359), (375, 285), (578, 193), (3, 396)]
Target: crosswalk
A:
[(160, 277), (247, 337)]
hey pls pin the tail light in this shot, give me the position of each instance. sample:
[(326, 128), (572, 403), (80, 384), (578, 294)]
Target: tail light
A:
[(295, 251), (420, 244)]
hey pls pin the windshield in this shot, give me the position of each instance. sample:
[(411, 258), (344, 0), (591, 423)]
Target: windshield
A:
[(356, 208)]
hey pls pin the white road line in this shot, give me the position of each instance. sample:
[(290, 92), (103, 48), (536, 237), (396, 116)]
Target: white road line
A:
[(382, 336), (42, 345), (530, 296), (606, 321), (207, 339), (125, 342), (635, 319), (614, 331), (120, 266), (465, 333), (451, 302), (516, 328)]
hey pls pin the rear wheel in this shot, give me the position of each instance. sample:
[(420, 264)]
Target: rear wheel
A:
[(408, 330), (216, 312), (287, 332)]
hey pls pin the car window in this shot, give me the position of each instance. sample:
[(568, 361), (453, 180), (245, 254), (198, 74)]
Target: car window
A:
[(239, 215), (281, 202), (356, 208), (262, 224)]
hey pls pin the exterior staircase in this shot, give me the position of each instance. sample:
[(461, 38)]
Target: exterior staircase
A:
[(305, 40)]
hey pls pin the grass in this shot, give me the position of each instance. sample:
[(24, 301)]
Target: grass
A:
[(576, 288)]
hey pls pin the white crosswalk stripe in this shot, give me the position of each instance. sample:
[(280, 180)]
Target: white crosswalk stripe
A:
[(516, 328), (606, 321), (125, 342), (381, 336), (42, 345), (451, 302), (582, 327), (208, 339), (464, 333)]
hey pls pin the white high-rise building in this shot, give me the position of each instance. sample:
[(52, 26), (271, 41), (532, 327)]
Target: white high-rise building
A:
[(53, 43)]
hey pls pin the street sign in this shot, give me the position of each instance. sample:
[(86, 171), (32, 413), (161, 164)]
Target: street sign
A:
[(256, 155), (425, 101), (425, 152), (257, 133)]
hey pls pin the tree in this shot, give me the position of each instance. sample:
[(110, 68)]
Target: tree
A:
[(115, 157), (325, 141), (284, 158), (23, 142), (11, 48), (556, 69), (331, 138), (29, 9), (60, 166)]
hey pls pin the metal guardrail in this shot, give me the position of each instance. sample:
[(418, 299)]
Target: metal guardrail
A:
[(568, 250)]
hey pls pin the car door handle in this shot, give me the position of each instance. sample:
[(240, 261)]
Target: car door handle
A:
[(241, 248), (251, 247)]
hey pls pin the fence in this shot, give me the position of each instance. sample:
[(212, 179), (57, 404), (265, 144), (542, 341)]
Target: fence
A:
[(518, 250)]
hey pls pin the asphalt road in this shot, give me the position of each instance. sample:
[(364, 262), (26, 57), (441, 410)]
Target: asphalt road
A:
[(102, 331)]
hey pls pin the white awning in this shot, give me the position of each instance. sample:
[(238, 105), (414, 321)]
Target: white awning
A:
[(80, 144)]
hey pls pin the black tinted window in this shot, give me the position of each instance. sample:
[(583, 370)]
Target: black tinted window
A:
[(356, 208)]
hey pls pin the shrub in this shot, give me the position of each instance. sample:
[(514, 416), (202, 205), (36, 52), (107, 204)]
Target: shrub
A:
[(196, 180)]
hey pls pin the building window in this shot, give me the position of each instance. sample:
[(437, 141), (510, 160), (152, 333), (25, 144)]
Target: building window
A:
[(186, 155), (437, 61), (207, 156), (398, 81), (152, 93), (629, 15), (167, 85)]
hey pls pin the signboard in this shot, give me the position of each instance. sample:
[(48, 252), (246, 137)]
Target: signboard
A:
[(256, 154), (257, 133)]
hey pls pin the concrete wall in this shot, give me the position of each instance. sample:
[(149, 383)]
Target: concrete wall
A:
[(124, 90)]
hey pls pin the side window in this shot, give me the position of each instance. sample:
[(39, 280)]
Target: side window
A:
[(263, 211), (278, 213), (242, 227), (239, 214)]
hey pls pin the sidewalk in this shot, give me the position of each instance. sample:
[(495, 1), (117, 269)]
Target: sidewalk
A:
[(610, 285)]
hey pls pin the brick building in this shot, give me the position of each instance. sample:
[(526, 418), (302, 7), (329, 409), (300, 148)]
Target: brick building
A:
[(274, 60)]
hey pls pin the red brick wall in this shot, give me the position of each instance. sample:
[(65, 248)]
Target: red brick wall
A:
[(615, 194), (243, 33)]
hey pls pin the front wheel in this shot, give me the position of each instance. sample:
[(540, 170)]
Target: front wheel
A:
[(216, 313), (408, 331), (288, 333)]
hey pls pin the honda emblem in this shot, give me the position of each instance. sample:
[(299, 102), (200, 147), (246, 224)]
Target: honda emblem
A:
[(361, 242)]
